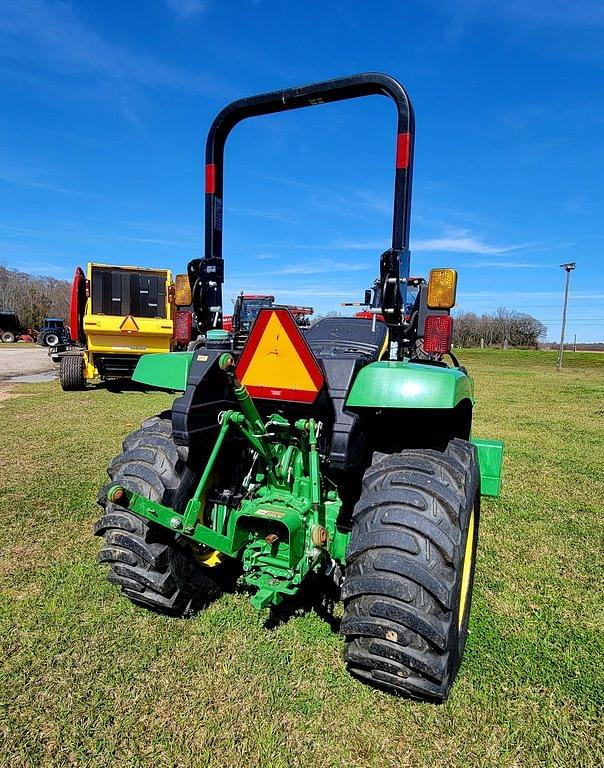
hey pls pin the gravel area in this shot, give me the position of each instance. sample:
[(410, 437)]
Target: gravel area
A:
[(19, 360)]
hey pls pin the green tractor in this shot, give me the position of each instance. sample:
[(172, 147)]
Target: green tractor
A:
[(341, 459)]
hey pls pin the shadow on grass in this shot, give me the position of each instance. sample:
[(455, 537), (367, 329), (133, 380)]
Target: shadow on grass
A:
[(318, 594), (121, 386)]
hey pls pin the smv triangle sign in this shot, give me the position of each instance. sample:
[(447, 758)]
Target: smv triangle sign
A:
[(277, 363), (128, 324)]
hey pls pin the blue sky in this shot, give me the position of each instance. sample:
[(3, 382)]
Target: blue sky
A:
[(105, 107)]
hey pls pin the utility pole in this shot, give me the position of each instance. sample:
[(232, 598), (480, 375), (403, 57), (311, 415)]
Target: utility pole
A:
[(568, 268)]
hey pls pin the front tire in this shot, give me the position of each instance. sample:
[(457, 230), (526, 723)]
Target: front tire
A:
[(152, 566), (8, 337), (411, 558), (51, 340)]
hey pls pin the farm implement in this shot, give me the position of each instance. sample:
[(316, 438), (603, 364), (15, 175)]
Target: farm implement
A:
[(117, 315), (343, 454)]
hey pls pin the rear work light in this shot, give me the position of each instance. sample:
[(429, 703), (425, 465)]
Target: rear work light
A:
[(438, 333), (442, 287), (182, 291), (183, 322)]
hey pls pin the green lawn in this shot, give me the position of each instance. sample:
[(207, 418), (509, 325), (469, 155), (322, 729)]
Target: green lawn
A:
[(86, 679)]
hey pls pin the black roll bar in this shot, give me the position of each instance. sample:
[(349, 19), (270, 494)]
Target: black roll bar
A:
[(207, 274)]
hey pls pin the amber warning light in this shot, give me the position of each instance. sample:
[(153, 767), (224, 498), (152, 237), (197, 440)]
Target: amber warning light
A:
[(182, 291), (442, 287)]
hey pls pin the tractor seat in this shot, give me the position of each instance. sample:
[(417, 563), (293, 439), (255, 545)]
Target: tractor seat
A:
[(347, 337)]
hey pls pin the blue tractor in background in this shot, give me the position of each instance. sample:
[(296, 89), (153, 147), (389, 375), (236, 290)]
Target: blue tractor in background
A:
[(53, 332)]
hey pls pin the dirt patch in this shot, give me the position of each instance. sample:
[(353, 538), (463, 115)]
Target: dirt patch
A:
[(6, 392)]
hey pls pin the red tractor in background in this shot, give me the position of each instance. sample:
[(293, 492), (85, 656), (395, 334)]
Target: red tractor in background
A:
[(246, 309), (11, 329)]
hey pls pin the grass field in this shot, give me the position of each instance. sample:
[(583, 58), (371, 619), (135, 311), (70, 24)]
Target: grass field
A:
[(86, 679)]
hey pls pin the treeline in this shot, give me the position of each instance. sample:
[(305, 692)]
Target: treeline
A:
[(33, 298), (502, 328)]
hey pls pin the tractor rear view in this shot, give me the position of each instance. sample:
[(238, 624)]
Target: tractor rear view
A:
[(343, 454)]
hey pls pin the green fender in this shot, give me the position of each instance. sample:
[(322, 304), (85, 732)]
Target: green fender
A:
[(394, 384), (165, 370), (387, 384)]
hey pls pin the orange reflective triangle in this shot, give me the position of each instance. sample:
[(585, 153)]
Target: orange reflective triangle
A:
[(128, 324), (276, 362)]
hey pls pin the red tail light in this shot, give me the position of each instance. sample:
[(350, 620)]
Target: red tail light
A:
[(438, 333), (183, 322)]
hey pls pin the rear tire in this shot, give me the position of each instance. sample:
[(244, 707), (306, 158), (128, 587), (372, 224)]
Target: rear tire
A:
[(408, 582), (153, 567), (8, 337), (71, 373)]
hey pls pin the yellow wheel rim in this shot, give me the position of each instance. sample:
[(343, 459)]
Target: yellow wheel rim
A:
[(211, 559), (467, 570)]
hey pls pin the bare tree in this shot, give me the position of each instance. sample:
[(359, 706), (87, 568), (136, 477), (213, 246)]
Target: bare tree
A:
[(33, 298), (504, 326)]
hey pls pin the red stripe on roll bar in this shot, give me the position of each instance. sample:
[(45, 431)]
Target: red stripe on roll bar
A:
[(210, 179), (402, 150)]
